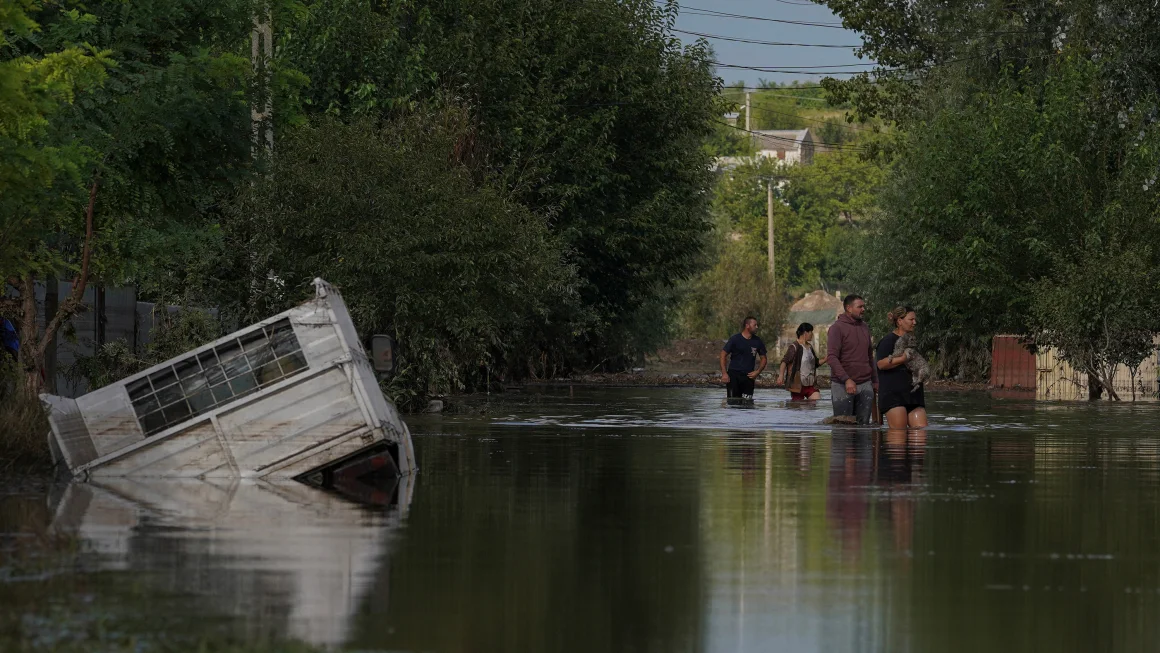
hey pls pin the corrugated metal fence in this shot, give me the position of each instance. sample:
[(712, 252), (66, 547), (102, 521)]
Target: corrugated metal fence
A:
[(1013, 366)]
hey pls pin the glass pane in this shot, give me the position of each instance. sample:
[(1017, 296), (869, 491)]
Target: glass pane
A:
[(176, 413), (215, 374), (228, 351), (253, 340), (139, 388), (162, 378), (269, 373), (186, 368), (146, 404), (236, 367), (153, 422), (222, 393), (170, 395), (202, 401), (260, 357), (283, 340), (243, 383), (193, 383), (293, 363), (207, 359)]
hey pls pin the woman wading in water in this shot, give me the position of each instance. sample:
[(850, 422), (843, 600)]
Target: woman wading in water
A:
[(901, 405), (802, 365)]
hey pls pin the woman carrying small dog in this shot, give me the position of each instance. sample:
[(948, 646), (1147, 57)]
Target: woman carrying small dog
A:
[(901, 403), (802, 364)]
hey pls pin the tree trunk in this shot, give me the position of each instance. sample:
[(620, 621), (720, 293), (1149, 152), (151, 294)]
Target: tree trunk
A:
[(33, 346), (1095, 388)]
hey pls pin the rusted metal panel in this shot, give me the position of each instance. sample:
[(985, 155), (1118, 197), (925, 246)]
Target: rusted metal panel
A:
[(1012, 365), (290, 393)]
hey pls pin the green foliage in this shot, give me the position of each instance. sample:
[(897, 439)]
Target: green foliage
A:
[(737, 285), (590, 112), (1008, 200), (815, 209), (34, 169), (421, 245)]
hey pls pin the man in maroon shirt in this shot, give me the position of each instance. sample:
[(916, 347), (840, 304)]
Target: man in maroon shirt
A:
[(850, 355)]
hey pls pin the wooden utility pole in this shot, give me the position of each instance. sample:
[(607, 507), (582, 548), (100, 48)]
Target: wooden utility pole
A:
[(769, 216), (261, 58)]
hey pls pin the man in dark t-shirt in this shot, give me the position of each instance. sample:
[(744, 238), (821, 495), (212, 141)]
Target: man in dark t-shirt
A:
[(746, 354)]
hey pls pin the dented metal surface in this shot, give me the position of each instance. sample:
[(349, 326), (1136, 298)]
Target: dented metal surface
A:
[(276, 399)]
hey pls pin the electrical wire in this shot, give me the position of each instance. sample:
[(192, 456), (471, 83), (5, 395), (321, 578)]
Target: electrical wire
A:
[(760, 42)]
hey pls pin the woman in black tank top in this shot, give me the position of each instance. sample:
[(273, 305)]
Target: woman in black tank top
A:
[(901, 405)]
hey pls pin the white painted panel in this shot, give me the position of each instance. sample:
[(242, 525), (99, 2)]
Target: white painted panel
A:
[(184, 454), (294, 419), (110, 419)]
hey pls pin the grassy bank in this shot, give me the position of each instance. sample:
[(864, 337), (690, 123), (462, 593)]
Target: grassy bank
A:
[(23, 433)]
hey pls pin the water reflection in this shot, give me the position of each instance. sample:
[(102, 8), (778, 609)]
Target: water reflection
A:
[(1017, 527), (264, 560)]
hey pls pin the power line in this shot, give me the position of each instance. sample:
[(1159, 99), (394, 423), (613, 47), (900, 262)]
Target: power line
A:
[(760, 42), (696, 11)]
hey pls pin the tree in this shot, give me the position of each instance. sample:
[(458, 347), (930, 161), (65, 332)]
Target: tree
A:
[(140, 159), (591, 113), (1011, 195), (423, 246)]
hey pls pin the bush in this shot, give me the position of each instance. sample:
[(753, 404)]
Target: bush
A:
[(738, 285)]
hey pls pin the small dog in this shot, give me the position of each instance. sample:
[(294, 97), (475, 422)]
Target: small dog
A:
[(841, 419), (919, 368)]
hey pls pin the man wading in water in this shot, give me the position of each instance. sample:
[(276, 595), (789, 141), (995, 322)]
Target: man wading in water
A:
[(743, 350), (853, 371)]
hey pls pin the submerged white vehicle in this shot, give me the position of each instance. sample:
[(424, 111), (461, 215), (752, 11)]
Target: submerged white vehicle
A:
[(293, 396)]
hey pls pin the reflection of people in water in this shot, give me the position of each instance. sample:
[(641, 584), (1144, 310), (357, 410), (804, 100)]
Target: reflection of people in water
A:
[(801, 363), (863, 461)]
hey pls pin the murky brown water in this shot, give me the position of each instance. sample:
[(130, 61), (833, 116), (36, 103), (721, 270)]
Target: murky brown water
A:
[(630, 520)]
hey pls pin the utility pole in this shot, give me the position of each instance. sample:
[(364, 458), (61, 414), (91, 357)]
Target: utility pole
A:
[(261, 58), (769, 215), (748, 124)]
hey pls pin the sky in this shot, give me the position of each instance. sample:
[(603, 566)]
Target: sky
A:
[(694, 17)]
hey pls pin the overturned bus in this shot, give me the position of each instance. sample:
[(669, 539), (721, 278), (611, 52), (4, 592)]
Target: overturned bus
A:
[(293, 396)]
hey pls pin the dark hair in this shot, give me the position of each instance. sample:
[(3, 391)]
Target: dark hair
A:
[(897, 313), (850, 300), (803, 327), (746, 321)]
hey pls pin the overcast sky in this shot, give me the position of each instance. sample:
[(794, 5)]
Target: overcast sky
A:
[(693, 19)]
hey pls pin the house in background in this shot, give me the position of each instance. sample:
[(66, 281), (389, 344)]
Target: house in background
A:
[(791, 146), (788, 146), (820, 309)]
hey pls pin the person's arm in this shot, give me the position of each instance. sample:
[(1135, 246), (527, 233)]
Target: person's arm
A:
[(891, 361), (833, 346), (780, 374), (724, 374), (760, 366)]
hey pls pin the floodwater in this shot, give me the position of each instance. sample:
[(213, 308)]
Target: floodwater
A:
[(629, 520)]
